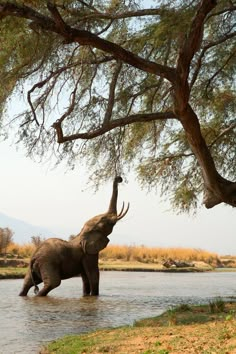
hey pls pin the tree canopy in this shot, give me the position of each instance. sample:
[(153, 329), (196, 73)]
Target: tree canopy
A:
[(141, 85)]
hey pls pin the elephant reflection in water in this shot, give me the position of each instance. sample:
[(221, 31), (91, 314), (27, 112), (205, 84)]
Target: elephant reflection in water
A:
[(56, 259)]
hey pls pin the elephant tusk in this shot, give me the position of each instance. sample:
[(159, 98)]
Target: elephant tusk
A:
[(123, 205), (83, 245), (122, 214)]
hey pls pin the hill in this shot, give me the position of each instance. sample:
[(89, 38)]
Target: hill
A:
[(23, 230)]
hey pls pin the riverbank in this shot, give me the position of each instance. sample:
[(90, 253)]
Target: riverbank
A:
[(18, 272), (151, 267), (191, 330), (12, 273)]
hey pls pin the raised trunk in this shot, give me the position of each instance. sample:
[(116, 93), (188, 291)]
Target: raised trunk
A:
[(217, 188), (113, 202)]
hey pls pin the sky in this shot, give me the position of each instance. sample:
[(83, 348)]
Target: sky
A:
[(61, 200)]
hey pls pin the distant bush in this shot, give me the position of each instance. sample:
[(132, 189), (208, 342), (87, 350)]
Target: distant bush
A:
[(37, 240), (6, 237), (24, 251)]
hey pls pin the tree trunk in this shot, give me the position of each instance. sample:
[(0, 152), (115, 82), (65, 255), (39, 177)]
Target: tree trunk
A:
[(217, 188)]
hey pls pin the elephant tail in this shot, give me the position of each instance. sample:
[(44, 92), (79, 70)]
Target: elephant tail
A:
[(36, 288)]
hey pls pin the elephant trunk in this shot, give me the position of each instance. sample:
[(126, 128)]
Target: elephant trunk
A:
[(113, 202)]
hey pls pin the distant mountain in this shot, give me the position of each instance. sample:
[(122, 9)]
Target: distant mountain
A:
[(22, 230)]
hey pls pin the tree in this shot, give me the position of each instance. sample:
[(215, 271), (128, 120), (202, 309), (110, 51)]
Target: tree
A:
[(6, 237), (37, 240), (151, 89)]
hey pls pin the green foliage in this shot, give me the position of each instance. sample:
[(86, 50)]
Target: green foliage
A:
[(217, 305), (84, 86)]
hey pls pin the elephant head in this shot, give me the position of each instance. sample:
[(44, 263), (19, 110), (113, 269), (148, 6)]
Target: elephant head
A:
[(93, 236)]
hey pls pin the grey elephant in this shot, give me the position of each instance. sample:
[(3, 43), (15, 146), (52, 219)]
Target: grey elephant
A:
[(56, 259)]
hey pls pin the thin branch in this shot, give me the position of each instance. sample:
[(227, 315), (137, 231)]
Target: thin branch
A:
[(174, 156), (40, 84), (223, 132), (88, 5), (204, 50), (84, 37), (72, 104), (229, 9), (105, 28), (111, 98), (220, 69), (123, 15)]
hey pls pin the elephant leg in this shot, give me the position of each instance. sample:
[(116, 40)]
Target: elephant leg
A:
[(86, 285), (90, 265), (28, 283), (51, 279)]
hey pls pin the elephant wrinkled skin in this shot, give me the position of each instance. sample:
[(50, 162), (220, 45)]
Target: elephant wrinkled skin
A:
[(56, 259)]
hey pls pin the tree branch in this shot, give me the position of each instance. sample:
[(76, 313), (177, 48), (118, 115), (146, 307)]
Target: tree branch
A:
[(220, 69), (111, 98), (193, 40), (135, 118), (60, 24), (204, 50), (229, 9), (84, 37), (223, 132), (123, 15)]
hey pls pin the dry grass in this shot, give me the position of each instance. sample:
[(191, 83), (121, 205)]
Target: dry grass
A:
[(134, 253), (24, 251), (156, 255)]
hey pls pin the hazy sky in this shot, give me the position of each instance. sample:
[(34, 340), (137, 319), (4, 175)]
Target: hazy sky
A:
[(62, 202)]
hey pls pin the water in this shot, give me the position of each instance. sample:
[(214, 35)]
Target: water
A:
[(27, 323)]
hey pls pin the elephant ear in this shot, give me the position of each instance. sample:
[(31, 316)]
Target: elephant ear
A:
[(93, 242)]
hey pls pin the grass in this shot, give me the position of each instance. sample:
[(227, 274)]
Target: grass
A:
[(24, 251), (147, 267), (156, 255), (12, 272), (184, 329)]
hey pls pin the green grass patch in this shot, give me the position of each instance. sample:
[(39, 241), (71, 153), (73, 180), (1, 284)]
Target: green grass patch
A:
[(177, 329), (12, 272), (101, 341), (185, 314)]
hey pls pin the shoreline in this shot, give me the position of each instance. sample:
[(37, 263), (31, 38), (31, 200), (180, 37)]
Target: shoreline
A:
[(8, 275), (16, 269), (209, 328), (19, 273)]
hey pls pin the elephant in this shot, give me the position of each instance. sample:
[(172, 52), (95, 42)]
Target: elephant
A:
[(56, 259)]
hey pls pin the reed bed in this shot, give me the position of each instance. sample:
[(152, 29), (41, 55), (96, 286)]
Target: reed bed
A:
[(23, 251), (156, 254), (133, 253)]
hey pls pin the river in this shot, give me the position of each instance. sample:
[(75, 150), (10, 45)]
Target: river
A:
[(27, 323)]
